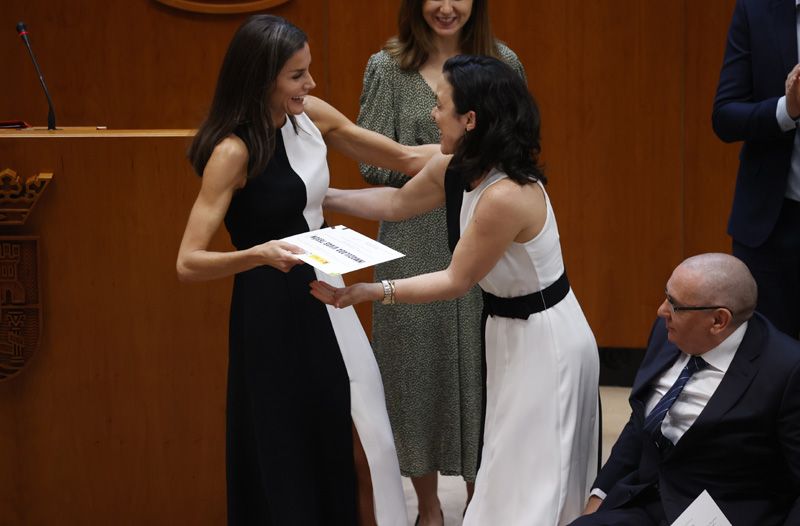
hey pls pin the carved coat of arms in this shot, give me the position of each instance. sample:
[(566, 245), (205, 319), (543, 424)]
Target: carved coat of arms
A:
[(20, 310)]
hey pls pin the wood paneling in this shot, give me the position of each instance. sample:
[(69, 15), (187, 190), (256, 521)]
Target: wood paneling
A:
[(344, 65), (709, 164), (606, 76), (120, 415), (134, 64)]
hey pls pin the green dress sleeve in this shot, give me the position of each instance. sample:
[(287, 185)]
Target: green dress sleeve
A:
[(511, 58), (377, 113)]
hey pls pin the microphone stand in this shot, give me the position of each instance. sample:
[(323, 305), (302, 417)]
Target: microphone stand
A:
[(51, 114)]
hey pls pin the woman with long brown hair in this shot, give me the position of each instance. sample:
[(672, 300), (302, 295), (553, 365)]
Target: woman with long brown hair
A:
[(308, 437)]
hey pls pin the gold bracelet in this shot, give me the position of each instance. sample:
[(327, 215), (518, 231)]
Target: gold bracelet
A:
[(394, 298)]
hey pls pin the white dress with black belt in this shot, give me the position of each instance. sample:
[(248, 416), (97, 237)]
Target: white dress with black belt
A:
[(539, 454)]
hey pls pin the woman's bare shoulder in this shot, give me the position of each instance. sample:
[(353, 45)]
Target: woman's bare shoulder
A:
[(228, 162), (511, 196), (231, 149), (324, 116)]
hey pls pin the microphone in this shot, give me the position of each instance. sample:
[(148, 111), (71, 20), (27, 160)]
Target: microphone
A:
[(51, 114)]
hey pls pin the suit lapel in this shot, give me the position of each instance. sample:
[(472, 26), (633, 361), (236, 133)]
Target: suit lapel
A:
[(740, 374), (784, 19)]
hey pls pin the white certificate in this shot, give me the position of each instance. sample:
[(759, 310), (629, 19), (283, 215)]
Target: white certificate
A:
[(339, 250), (702, 512)]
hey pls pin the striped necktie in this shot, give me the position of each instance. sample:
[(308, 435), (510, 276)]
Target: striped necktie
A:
[(652, 424)]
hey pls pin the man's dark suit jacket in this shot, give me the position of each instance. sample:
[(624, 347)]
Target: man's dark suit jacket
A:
[(744, 448), (761, 50)]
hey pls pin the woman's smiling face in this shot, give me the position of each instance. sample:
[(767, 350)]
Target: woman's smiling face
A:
[(291, 86), (452, 125), (446, 17)]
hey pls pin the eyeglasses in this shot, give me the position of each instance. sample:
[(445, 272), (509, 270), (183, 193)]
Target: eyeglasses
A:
[(678, 308)]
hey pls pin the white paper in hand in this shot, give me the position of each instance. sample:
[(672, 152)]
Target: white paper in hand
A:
[(339, 250), (702, 512)]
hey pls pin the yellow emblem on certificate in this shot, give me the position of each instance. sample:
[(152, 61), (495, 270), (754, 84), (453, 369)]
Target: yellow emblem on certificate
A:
[(318, 258)]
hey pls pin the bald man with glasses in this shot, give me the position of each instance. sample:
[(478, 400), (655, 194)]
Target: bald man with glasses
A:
[(715, 406)]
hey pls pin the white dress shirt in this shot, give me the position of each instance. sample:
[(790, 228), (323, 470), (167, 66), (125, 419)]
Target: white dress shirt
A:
[(786, 123), (696, 393), (698, 390)]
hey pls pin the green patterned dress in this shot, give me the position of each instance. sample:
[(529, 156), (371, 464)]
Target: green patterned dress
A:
[(429, 355)]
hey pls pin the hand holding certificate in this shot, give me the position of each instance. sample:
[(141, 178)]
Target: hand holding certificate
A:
[(339, 250)]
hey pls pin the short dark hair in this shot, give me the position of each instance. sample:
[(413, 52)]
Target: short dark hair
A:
[(506, 133), (257, 53), (414, 43)]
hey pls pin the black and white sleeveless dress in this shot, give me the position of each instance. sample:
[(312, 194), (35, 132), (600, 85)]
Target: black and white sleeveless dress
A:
[(299, 371)]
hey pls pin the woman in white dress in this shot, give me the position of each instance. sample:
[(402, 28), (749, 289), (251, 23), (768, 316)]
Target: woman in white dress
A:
[(540, 437)]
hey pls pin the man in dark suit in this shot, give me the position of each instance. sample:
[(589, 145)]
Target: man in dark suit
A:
[(715, 406), (758, 102)]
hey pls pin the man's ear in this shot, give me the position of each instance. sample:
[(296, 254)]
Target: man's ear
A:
[(722, 320)]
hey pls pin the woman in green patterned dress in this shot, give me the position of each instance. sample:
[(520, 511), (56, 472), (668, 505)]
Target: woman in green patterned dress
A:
[(429, 355)]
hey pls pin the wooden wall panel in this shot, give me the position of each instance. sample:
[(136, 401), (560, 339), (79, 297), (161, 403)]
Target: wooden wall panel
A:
[(607, 76), (14, 463), (133, 64), (120, 415), (710, 165), (346, 60)]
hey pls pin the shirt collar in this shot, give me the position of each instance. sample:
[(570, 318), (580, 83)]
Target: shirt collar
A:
[(721, 356)]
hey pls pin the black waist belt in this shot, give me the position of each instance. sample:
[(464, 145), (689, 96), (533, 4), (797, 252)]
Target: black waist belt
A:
[(523, 306)]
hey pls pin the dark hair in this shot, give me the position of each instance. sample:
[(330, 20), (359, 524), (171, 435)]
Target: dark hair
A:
[(506, 133), (414, 41), (255, 56)]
